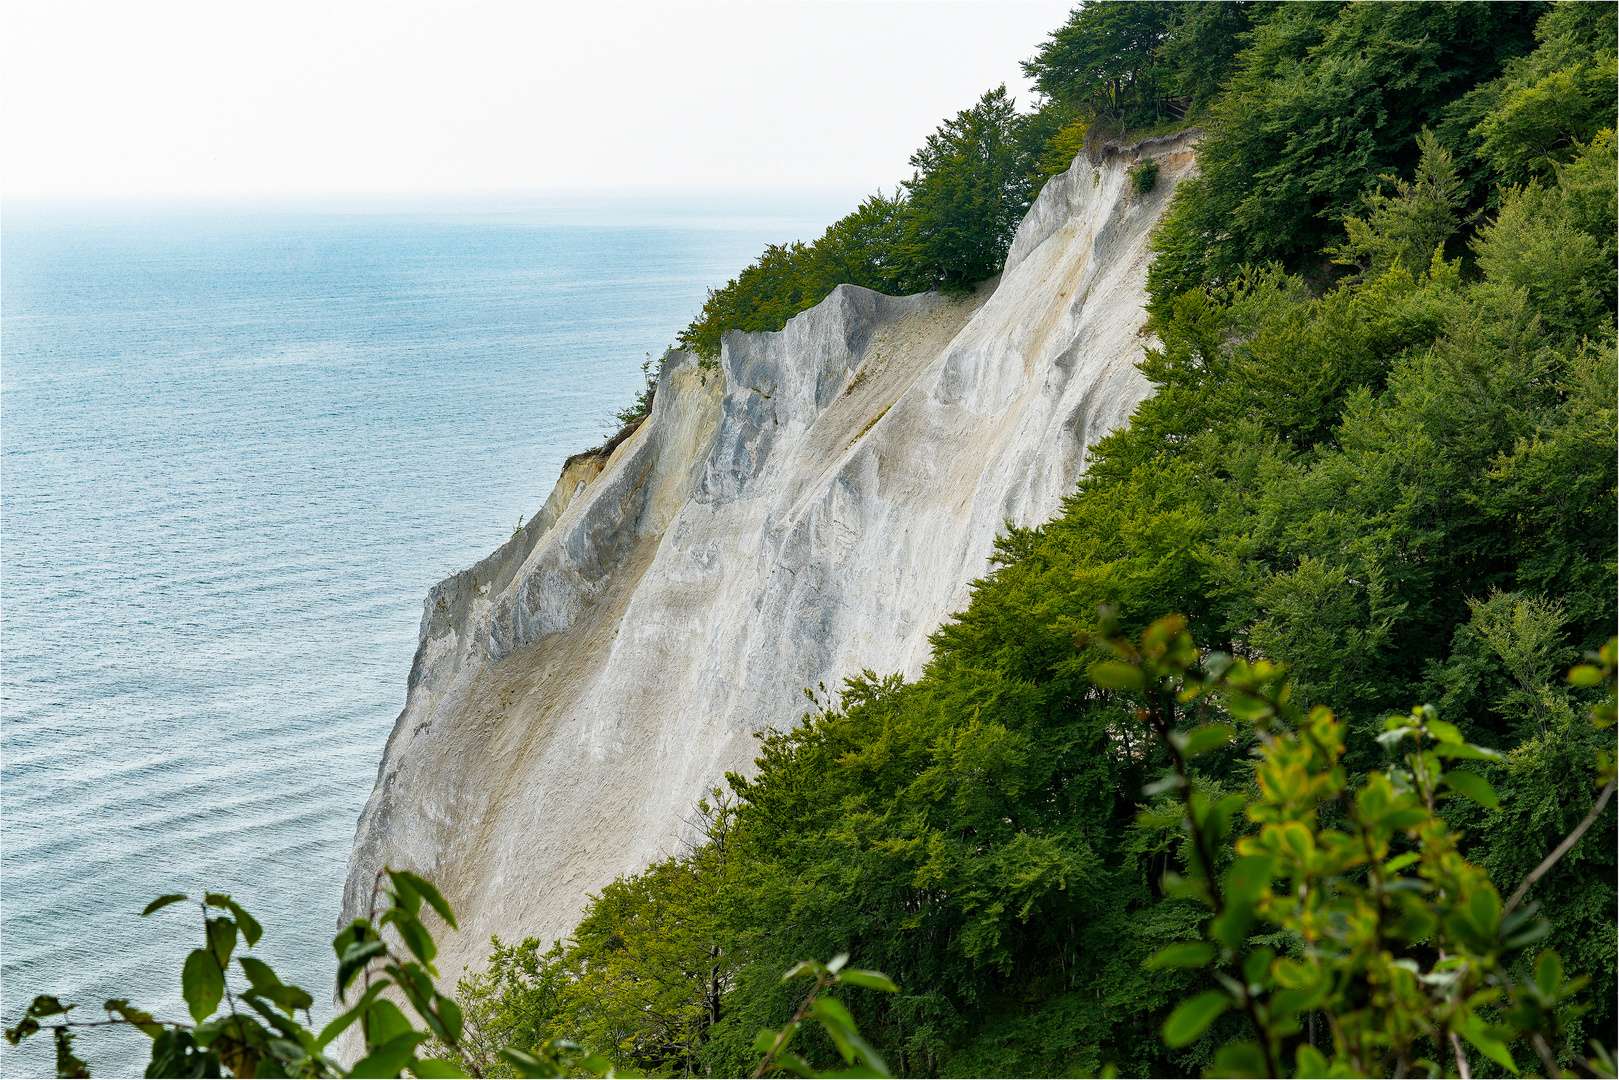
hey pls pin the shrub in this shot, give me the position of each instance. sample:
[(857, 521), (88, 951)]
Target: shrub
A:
[(1144, 177)]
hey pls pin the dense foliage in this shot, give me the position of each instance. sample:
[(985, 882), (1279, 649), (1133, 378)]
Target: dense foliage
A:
[(1388, 934), (1113, 66), (1381, 452), (1306, 105), (264, 1038), (1377, 473), (1328, 98), (950, 228), (258, 1033)]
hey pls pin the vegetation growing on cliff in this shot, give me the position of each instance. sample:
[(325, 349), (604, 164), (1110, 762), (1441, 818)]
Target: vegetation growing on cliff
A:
[(1115, 823), (949, 229), (1381, 453), (1306, 106)]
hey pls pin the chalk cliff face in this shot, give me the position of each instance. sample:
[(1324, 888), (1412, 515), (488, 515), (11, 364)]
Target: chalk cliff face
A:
[(814, 503)]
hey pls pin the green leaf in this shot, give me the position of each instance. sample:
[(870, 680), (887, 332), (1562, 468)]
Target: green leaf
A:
[(1248, 706), (67, 1065), (418, 941), (385, 1023), (1392, 736), (222, 940), (1484, 910), (596, 1065), (1202, 740), (450, 1016), (1192, 1017), (1249, 876), (1468, 751), (1310, 1062), (258, 973), (162, 902), (1170, 781), (871, 980), (174, 1054), (1549, 974), (1185, 954), (138, 1018), (528, 1065), (390, 1058), (1475, 1032), (428, 893), (1116, 675), (837, 1022), (1405, 819), (1257, 966), (406, 898), (792, 1063), (28, 1026), (832, 1009), (251, 930), (1296, 974), (1474, 786), (358, 930), (290, 998), (354, 960), (285, 1026), (868, 1054), (1239, 1059), (434, 1068), (1444, 732), (341, 1022), (1400, 862), (202, 984), (48, 1005), (1533, 933), (1585, 675)]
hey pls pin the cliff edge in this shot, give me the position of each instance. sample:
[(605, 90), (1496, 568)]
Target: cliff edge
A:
[(815, 502)]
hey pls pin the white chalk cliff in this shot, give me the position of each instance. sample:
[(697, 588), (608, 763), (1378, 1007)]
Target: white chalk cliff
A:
[(815, 504)]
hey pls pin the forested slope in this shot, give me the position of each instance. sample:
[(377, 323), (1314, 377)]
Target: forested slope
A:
[(1381, 450)]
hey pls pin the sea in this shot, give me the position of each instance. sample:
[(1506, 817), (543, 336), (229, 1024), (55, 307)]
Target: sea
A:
[(238, 442)]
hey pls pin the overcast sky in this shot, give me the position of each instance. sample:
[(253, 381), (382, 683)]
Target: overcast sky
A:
[(232, 99)]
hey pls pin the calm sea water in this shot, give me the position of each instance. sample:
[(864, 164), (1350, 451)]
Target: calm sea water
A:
[(236, 447)]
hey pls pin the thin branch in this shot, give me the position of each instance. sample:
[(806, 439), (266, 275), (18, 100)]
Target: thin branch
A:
[(1461, 1058), (1547, 1058), (1561, 849), (786, 1033), (1162, 716)]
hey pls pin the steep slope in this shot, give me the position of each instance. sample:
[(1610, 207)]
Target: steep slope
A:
[(818, 499)]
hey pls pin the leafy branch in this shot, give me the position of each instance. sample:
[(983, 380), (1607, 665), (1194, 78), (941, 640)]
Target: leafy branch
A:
[(1395, 961), (833, 1017)]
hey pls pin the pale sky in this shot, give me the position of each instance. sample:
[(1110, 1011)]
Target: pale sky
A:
[(238, 99)]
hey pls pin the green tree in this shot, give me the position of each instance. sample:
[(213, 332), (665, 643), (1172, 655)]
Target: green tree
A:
[(971, 189), (1106, 58), (1413, 223), (1203, 44), (1403, 966), (1555, 98), (1325, 98)]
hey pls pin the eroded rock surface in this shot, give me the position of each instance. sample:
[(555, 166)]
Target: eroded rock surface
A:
[(814, 503)]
